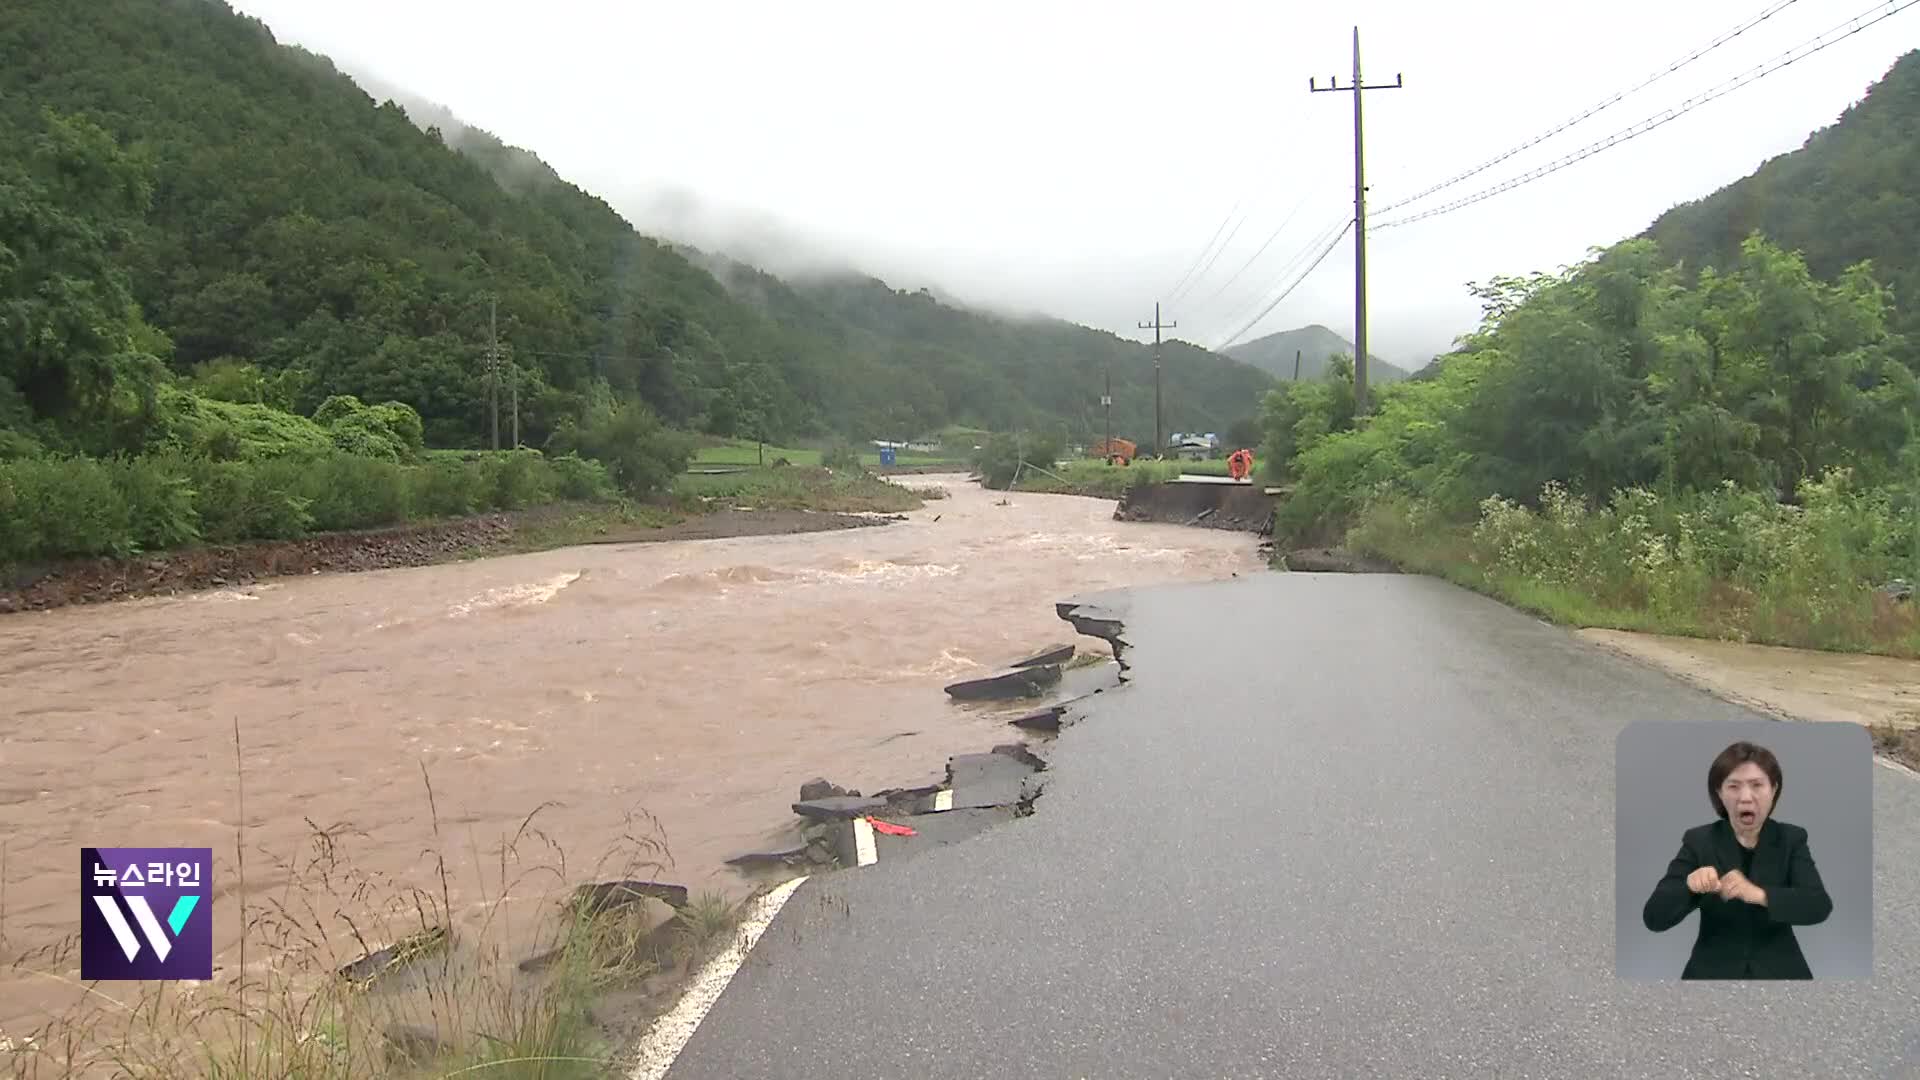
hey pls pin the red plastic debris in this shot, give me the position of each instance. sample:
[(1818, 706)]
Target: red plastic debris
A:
[(890, 828)]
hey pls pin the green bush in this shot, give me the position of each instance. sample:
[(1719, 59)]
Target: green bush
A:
[(577, 478), (229, 431), (447, 486), (55, 507), (841, 457), (240, 500), (159, 497), (391, 431), (519, 478), (337, 408), (349, 492), (641, 454), (1000, 459)]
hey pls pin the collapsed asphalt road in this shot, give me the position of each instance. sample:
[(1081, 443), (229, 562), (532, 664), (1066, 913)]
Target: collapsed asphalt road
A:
[(1337, 825)]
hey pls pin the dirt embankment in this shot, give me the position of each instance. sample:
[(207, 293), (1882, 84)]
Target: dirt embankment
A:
[(92, 581), (1241, 507), (1879, 693)]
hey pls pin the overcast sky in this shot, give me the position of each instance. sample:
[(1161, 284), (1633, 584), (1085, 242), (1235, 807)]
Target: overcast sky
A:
[(1075, 158)]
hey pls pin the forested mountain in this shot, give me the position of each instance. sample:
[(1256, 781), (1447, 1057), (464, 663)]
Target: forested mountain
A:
[(1850, 193), (243, 205), (1314, 345)]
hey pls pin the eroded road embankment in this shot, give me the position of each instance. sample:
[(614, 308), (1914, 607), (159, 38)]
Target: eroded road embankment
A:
[(1333, 825)]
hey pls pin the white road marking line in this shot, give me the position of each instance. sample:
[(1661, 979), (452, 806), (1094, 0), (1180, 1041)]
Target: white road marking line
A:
[(943, 800), (668, 1036), (863, 850)]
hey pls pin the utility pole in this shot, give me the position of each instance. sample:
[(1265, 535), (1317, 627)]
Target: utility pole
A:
[(493, 367), (516, 406), (1359, 219), (1106, 402), (1296, 364), (1159, 440)]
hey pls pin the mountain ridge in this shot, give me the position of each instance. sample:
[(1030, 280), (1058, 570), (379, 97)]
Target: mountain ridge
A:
[(300, 226), (1314, 346)]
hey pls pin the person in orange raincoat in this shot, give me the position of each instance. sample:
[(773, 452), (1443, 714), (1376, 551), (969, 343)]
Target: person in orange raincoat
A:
[(1240, 464)]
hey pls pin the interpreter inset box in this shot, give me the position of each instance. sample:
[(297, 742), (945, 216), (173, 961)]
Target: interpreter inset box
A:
[(1743, 850)]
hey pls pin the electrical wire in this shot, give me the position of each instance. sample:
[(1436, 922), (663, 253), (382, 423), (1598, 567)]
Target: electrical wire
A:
[(1769, 13), (1311, 267), (1291, 214), (1197, 278), (1197, 259), (1287, 269), (1852, 27)]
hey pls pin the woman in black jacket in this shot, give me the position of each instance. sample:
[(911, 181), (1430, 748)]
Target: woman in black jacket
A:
[(1752, 878)]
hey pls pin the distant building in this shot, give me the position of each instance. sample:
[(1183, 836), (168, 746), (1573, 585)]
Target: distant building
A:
[(1194, 448)]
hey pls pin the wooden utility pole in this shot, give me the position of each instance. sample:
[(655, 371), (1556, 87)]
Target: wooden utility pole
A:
[(1357, 88), (493, 367), (1106, 402), (1159, 439), (1296, 365)]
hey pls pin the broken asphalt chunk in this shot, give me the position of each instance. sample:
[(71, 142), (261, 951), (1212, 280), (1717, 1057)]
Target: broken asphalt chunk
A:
[(840, 807), (607, 895), (1052, 654), (1022, 755), (1094, 620), (1019, 683), (940, 829), (407, 949), (767, 860), (1047, 719), (984, 780), (819, 788)]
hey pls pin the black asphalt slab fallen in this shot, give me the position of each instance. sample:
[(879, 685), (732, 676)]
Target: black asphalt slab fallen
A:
[(1334, 825)]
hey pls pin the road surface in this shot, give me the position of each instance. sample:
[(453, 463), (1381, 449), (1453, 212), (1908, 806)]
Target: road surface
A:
[(1340, 825)]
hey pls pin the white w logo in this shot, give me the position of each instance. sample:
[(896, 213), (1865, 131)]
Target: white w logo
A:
[(149, 925)]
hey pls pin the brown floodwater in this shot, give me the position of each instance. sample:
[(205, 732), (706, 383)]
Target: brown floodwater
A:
[(698, 682)]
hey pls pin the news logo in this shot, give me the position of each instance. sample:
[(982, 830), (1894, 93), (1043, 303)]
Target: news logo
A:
[(146, 913)]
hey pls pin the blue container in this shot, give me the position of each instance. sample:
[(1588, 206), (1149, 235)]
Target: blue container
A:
[(886, 455)]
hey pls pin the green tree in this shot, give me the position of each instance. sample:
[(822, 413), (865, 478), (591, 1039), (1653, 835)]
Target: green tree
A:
[(73, 347)]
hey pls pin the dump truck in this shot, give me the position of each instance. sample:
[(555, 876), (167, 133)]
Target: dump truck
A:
[(1114, 451)]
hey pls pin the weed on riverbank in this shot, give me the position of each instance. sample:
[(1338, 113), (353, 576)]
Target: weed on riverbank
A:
[(344, 974), (1727, 565), (1096, 479), (794, 487), (810, 499), (1899, 741)]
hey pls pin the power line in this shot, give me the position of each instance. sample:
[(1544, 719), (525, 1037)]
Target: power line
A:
[(1228, 242), (1263, 247), (1203, 251), (1769, 13), (1324, 252), (1293, 262), (1799, 52)]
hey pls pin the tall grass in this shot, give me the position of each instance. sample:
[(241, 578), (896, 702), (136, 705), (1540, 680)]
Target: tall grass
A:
[(54, 508), (795, 488), (1099, 479), (554, 997), (1727, 563)]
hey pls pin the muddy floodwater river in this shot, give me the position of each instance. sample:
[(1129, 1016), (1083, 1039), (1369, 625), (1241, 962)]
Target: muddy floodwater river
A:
[(697, 682)]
